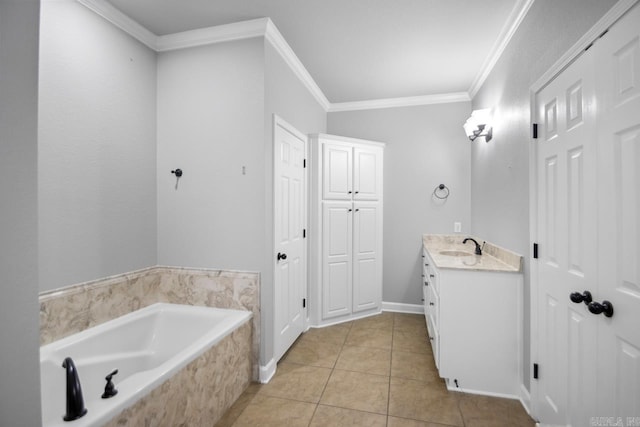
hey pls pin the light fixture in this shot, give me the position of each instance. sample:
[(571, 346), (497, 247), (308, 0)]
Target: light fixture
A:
[(479, 124)]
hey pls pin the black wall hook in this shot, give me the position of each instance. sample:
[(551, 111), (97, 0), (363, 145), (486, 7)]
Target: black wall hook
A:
[(177, 172)]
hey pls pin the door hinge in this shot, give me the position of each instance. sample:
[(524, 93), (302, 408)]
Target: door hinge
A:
[(535, 371), (304, 163), (304, 302), (535, 131), (304, 233), (535, 251)]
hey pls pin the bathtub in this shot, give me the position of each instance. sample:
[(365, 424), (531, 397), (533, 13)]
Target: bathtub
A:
[(147, 347)]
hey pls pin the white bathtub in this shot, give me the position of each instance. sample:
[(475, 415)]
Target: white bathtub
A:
[(146, 347)]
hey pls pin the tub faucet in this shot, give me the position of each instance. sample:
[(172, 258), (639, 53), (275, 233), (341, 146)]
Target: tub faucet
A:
[(75, 401), (478, 249)]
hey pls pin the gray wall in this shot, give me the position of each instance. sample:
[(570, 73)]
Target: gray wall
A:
[(19, 328), (500, 169), (425, 146), (286, 96), (97, 148), (210, 124)]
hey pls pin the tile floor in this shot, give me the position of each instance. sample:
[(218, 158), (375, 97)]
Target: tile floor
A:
[(377, 371)]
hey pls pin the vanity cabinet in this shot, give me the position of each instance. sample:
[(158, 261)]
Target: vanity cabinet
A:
[(474, 327), (346, 228)]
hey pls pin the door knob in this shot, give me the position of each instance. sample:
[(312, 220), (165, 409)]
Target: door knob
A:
[(606, 307), (281, 256), (578, 297)]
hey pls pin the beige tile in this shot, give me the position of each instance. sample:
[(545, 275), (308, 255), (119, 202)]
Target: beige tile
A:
[(411, 341), (362, 337), (335, 334), (235, 410), (329, 416), (298, 382), (254, 387), (405, 422), (365, 359), (379, 321), (481, 411), (270, 411), (409, 322), (356, 390), (314, 353), (414, 366), (423, 401)]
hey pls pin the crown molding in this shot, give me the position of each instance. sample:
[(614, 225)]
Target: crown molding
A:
[(218, 34), (408, 101), (514, 20), (122, 21), (282, 47)]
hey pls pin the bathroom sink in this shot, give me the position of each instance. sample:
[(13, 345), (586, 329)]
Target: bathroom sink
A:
[(455, 253)]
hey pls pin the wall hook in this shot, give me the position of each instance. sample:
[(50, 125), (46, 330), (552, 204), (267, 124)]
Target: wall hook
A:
[(441, 192), (177, 172)]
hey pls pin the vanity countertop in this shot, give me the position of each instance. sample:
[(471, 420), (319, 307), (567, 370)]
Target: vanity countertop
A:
[(493, 258)]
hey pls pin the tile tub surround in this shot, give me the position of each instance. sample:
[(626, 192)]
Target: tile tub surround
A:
[(200, 393), (493, 258), (71, 309)]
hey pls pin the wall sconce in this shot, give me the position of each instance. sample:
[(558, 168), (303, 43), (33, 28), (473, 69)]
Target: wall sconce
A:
[(479, 124)]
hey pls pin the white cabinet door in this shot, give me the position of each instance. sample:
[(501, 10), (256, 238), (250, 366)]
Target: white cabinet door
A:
[(367, 173), (337, 219), (367, 280), (337, 171)]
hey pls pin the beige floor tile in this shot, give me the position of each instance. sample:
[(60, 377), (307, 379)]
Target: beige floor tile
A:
[(356, 390), (254, 387), (411, 341), (365, 359), (409, 322), (270, 411), (404, 422), (423, 401), (414, 366), (379, 321), (335, 334), (314, 353), (235, 410), (298, 382), (330, 416), (364, 337), (485, 411)]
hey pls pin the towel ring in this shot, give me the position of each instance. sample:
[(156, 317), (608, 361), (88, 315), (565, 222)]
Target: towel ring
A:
[(441, 192)]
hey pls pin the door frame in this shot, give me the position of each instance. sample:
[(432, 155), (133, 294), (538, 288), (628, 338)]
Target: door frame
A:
[(280, 122), (531, 398)]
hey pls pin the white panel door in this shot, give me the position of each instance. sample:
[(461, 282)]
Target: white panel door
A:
[(337, 243), (366, 256), (367, 174), (566, 156), (289, 221), (337, 171), (618, 69)]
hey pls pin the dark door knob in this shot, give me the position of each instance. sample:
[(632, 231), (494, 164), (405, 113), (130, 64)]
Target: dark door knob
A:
[(281, 256), (606, 307), (578, 297)]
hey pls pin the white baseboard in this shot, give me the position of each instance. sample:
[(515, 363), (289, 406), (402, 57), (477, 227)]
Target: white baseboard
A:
[(268, 371), (403, 308), (525, 399), (482, 393)]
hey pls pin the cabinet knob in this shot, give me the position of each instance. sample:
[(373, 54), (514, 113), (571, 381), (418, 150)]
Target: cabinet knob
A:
[(432, 304), (606, 307), (357, 192), (348, 192), (426, 283), (578, 297), (281, 256), (432, 276)]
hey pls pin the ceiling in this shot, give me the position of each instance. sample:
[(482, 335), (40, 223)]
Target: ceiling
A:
[(362, 50)]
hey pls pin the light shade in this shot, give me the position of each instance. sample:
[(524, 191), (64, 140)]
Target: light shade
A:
[(479, 124)]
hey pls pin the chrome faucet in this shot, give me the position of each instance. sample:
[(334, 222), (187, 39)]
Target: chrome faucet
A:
[(75, 401), (478, 249)]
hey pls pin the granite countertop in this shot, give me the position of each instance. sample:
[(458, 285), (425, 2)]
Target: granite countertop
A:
[(493, 258)]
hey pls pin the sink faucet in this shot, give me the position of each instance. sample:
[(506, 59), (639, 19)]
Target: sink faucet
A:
[(478, 249), (75, 401)]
